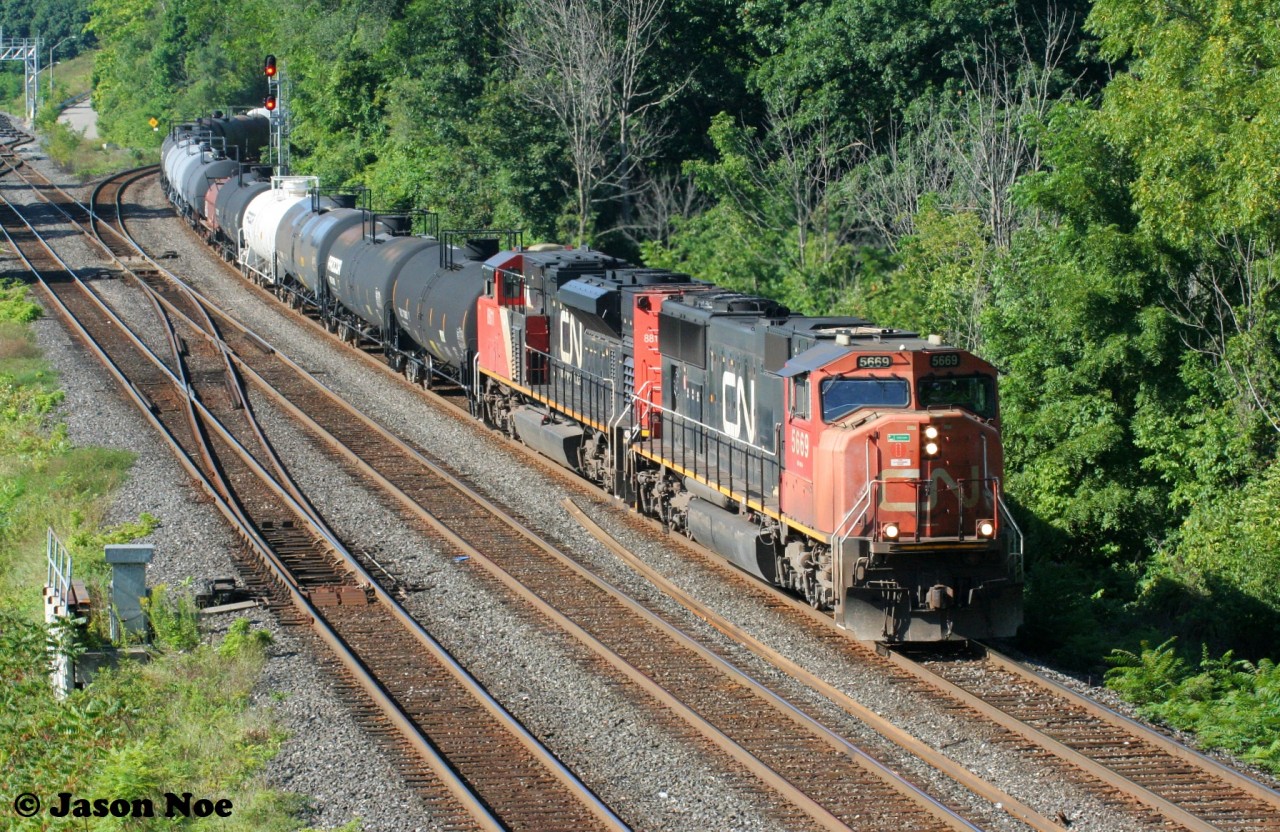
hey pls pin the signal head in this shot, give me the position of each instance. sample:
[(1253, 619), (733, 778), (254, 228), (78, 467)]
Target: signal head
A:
[(270, 69), (270, 103)]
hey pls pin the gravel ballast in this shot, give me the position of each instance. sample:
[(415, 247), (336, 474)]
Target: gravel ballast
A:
[(508, 477), (328, 757), (647, 771)]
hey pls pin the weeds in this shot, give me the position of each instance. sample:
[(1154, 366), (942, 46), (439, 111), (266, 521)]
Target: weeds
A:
[(181, 723), (243, 640), (1229, 703), (174, 619)]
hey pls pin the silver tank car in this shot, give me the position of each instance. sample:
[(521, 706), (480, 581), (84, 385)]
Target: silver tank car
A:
[(240, 137), (312, 242), (234, 198), (198, 177)]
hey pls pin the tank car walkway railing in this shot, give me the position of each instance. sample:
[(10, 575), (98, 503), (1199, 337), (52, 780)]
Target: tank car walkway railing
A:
[(730, 465)]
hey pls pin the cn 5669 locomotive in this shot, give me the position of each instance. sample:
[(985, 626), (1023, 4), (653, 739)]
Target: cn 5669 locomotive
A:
[(857, 466)]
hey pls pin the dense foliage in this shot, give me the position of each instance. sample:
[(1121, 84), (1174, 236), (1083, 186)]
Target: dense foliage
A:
[(54, 22), (1084, 193)]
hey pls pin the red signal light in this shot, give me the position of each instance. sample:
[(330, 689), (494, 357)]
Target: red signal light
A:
[(270, 69), (270, 103)]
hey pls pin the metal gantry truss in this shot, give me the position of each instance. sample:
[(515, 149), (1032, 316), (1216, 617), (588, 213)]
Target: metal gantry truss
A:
[(26, 50)]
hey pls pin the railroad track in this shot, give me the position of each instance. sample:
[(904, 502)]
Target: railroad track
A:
[(1181, 808), (442, 714), (1132, 767), (1186, 787), (791, 754), (1114, 788), (884, 796)]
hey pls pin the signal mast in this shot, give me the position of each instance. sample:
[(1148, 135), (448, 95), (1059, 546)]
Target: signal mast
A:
[(277, 106)]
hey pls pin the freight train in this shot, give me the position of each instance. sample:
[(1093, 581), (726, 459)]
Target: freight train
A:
[(857, 466)]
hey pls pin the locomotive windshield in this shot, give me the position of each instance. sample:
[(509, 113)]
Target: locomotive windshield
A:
[(975, 393), (842, 396)]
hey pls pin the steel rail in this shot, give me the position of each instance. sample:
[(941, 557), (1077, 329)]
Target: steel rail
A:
[(1240, 780), (727, 743), (567, 778), (261, 342), (453, 784), (461, 792), (997, 797), (1176, 749), (797, 607)]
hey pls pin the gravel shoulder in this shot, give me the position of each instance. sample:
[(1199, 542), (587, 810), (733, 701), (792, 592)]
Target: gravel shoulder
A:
[(509, 478)]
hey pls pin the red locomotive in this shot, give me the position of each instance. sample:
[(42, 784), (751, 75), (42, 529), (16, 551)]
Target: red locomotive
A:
[(857, 466)]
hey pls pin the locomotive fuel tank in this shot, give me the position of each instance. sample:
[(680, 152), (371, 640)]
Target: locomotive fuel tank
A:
[(435, 305)]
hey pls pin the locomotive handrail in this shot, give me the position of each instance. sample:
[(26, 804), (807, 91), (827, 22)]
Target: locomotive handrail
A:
[(752, 472), (717, 431), (837, 538), (635, 398), (1017, 540), (573, 401)]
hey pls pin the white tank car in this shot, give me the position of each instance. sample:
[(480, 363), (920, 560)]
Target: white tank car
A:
[(177, 153), (263, 217)]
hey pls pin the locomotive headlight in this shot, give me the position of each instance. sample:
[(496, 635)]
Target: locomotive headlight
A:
[(930, 432), (890, 531), (986, 528), (931, 448)]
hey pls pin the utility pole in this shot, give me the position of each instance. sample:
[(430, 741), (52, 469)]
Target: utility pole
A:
[(52, 49)]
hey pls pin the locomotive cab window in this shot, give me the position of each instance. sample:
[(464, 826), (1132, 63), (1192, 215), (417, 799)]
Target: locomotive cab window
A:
[(842, 396), (973, 393), (512, 289), (800, 396)]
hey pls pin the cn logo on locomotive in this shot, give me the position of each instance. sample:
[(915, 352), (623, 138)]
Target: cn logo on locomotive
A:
[(739, 406), (571, 338)]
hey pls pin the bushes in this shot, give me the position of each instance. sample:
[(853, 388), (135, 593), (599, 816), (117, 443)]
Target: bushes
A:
[(179, 724), (14, 305), (1229, 703)]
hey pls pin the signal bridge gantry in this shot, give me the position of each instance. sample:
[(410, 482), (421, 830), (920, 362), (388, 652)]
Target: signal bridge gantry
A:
[(26, 50)]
